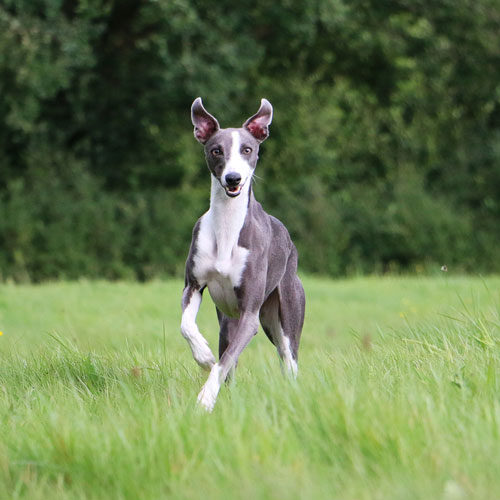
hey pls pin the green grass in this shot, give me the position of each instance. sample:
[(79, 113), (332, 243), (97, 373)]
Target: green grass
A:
[(398, 396)]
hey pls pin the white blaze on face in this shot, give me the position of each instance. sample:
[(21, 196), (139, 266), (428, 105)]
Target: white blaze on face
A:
[(236, 162)]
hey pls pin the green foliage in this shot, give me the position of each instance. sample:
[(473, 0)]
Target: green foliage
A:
[(383, 152), (71, 227)]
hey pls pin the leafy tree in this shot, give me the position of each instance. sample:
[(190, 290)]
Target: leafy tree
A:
[(384, 152)]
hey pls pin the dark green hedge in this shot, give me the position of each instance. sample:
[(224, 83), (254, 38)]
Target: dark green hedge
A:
[(384, 152)]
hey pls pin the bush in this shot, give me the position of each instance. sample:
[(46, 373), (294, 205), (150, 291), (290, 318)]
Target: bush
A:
[(383, 152)]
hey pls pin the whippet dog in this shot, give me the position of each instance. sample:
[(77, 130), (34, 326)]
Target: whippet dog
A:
[(244, 256)]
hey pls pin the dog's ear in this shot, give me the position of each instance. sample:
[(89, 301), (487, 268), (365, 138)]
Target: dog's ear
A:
[(205, 125), (258, 124)]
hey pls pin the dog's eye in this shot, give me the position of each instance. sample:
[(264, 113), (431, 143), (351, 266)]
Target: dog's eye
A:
[(216, 152), (246, 151)]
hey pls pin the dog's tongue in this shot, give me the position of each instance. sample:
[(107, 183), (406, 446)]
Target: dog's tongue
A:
[(233, 189)]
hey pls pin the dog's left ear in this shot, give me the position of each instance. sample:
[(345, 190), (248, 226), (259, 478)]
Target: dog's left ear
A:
[(258, 124)]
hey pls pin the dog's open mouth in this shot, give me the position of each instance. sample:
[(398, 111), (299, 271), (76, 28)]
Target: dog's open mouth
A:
[(234, 191)]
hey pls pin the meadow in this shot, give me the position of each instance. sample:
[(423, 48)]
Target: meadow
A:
[(398, 395)]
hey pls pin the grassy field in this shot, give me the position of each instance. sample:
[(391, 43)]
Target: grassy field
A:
[(398, 396)]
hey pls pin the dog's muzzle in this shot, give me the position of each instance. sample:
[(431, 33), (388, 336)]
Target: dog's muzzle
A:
[(233, 185)]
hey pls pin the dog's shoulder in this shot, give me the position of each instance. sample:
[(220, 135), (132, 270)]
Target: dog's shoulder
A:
[(262, 229), (189, 277)]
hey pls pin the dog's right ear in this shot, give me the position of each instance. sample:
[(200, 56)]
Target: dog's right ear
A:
[(205, 125)]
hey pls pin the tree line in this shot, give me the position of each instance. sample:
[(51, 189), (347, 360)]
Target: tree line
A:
[(384, 153)]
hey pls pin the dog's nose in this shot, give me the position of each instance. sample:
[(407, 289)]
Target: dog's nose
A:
[(233, 179)]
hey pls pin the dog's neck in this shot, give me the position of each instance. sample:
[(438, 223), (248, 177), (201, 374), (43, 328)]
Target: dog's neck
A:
[(228, 216)]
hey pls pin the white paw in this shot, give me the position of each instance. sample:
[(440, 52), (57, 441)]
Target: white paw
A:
[(203, 355), (208, 393), (207, 399), (292, 368)]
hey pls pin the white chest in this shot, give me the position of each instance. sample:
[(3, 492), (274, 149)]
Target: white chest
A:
[(219, 261)]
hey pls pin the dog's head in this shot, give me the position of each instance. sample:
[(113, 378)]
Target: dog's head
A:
[(231, 153)]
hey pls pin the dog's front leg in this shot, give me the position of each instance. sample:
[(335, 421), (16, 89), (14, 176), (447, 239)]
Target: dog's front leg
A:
[(191, 301), (247, 328)]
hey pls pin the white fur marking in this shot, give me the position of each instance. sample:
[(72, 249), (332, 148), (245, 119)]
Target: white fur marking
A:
[(236, 162), (219, 261), (189, 329), (290, 363), (209, 392)]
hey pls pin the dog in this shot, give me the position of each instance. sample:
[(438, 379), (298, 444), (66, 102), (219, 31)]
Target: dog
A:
[(242, 255)]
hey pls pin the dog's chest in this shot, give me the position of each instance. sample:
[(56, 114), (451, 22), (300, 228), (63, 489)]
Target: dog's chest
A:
[(219, 262)]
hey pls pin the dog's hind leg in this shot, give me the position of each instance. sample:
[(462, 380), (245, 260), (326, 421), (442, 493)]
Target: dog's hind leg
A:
[(291, 315), (282, 316), (271, 321)]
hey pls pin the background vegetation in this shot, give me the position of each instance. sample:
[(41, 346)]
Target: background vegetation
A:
[(384, 152)]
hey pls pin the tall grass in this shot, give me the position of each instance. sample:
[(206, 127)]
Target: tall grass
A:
[(397, 397)]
